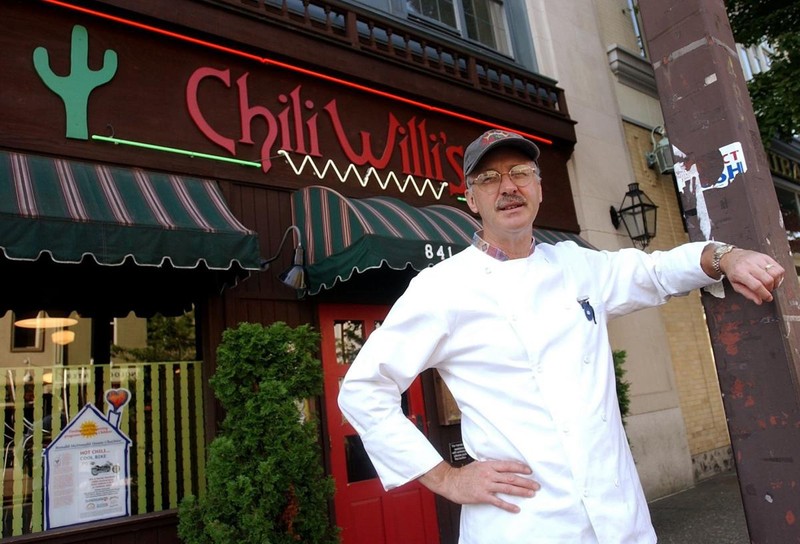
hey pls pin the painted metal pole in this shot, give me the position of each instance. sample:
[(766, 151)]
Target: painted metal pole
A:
[(728, 195)]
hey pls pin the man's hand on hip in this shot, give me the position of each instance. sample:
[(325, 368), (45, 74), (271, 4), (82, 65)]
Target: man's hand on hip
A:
[(480, 481)]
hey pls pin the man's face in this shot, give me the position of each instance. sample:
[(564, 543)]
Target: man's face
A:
[(506, 209)]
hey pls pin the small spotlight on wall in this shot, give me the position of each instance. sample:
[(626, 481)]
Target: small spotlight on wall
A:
[(660, 158), (294, 276)]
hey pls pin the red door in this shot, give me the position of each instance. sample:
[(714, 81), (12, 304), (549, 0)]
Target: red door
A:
[(366, 513)]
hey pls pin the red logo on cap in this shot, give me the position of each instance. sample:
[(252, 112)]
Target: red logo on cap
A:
[(494, 136)]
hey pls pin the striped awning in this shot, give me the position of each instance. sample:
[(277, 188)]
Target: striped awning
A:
[(72, 211), (344, 236)]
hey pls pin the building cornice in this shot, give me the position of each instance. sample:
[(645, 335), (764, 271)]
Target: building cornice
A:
[(632, 70)]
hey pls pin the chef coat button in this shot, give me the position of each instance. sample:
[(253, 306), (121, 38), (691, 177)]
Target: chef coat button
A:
[(585, 492), (616, 483), (586, 360), (488, 270), (604, 417), (513, 317), (566, 430)]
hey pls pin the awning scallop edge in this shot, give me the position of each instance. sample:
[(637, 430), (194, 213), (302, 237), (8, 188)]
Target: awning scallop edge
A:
[(71, 210)]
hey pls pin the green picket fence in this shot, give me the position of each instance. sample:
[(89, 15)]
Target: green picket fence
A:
[(163, 419)]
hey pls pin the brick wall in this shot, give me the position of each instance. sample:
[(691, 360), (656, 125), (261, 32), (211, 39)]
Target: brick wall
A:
[(687, 332)]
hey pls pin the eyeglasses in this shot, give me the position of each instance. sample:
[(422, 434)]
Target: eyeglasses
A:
[(521, 175)]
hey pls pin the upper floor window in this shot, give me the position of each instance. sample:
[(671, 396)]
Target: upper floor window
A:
[(481, 20), (754, 59), (633, 10)]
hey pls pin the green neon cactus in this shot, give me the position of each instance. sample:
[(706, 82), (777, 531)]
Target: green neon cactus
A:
[(75, 88)]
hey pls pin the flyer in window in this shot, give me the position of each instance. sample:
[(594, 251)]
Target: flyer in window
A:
[(87, 467)]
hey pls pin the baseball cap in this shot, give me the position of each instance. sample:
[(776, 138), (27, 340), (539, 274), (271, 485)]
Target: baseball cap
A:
[(492, 139)]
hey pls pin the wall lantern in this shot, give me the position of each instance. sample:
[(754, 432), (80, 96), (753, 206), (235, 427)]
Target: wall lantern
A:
[(638, 213), (294, 276), (660, 157)]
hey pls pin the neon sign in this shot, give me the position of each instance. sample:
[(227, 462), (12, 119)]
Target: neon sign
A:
[(352, 172), (295, 127)]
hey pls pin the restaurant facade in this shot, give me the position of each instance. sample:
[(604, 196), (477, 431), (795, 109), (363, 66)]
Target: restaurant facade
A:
[(155, 155), (162, 162)]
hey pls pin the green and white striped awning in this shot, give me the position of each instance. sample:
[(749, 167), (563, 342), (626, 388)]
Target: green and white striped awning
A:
[(73, 211), (344, 236)]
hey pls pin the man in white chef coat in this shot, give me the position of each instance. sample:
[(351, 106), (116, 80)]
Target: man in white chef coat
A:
[(518, 331)]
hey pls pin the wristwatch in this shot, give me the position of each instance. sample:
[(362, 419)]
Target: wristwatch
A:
[(720, 251)]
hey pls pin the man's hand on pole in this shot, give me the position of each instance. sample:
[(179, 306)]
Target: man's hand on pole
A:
[(752, 274)]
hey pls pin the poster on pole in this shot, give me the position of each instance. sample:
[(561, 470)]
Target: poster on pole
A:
[(87, 467)]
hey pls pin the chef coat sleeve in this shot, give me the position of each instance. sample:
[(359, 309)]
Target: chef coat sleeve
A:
[(409, 341), (635, 279)]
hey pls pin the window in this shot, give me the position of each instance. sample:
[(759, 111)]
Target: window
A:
[(789, 202), (486, 23), (633, 10), (26, 338), (151, 368), (754, 59), (483, 21), (439, 10)]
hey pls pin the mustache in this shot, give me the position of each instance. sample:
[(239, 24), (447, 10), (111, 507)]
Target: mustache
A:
[(508, 200)]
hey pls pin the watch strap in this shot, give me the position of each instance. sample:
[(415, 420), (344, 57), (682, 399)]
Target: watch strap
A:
[(720, 251)]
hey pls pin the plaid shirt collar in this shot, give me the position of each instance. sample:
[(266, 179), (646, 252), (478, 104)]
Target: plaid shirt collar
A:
[(494, 251)]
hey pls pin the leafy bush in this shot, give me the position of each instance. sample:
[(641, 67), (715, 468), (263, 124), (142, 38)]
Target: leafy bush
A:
[(265, 478), (623, 396)]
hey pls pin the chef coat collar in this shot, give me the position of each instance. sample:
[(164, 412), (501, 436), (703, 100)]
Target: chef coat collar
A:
[(494, 251)]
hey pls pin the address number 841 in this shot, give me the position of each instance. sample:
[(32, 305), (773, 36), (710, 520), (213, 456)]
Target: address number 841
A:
[(442, 252)]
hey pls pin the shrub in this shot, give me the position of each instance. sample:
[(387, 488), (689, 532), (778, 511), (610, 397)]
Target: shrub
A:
[(623, 396), (265, 478)]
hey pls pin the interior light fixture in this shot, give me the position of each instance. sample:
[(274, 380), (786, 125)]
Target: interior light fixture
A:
[(62, 338), (43, 321)]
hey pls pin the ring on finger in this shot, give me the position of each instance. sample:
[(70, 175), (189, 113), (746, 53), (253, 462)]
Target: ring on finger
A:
[(767, 267)]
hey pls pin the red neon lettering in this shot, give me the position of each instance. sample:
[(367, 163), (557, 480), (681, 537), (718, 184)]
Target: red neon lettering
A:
[(420, 151), (455, 158), (246, 114), (366, 144), (194, 107), (437, 159)]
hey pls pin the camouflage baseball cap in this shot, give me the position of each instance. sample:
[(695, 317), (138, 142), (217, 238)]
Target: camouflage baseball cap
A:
[(492, 139)]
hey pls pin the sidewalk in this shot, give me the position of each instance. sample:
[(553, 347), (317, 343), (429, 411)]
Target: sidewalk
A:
[(709, 513)]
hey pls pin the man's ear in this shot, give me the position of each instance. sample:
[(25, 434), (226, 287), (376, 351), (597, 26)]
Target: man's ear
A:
[(468, 194)]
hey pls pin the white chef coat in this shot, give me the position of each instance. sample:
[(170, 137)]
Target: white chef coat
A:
[(533, 375)]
